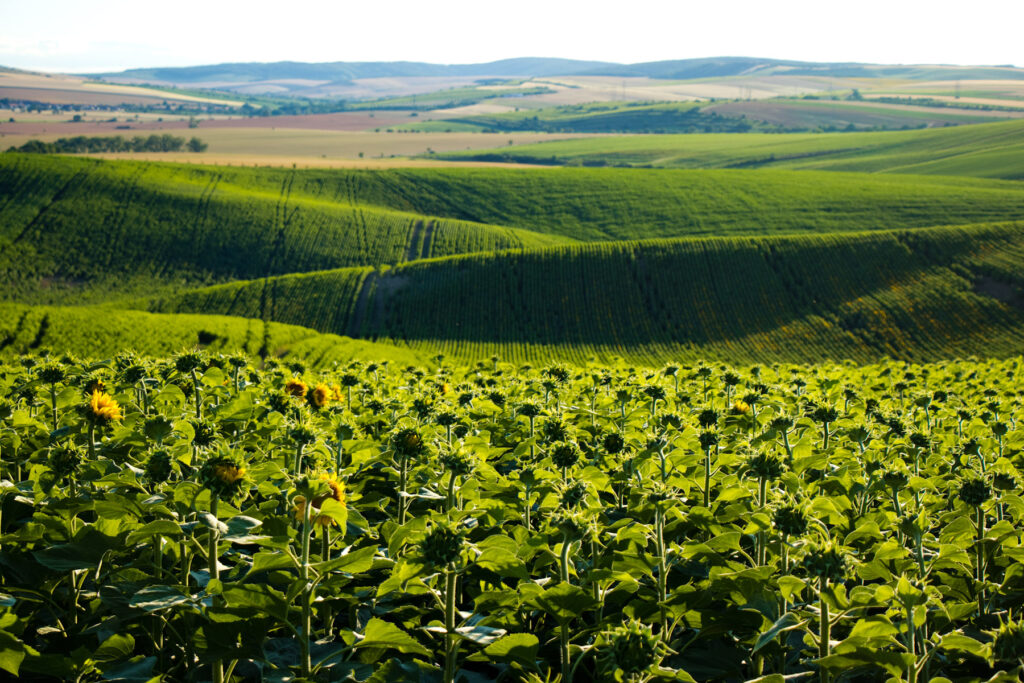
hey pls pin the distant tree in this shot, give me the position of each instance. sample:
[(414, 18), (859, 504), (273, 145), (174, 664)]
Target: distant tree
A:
[(197, 145)]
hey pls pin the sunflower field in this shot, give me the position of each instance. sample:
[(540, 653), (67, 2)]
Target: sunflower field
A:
[(212, 518)]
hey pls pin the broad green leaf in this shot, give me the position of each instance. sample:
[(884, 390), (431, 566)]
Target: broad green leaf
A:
[(786, 622), (153, 598), (380, 633), (160, 527), (117, 646), (564, 601), (873, 626), (518, 647)]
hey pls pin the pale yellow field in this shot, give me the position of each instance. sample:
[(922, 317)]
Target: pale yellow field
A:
[(89, 116), (584, 89), (207, 159), (287, 145), (20, 81)]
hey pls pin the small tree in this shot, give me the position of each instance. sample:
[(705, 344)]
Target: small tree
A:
[(197, 145)]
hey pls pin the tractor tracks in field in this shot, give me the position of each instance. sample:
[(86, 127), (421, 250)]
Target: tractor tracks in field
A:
[(355, 326), (57, 196)]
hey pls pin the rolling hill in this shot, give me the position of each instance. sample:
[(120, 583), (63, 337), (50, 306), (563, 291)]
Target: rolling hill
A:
[(81, 230), (101, 332), (680, 69), (914, 295)]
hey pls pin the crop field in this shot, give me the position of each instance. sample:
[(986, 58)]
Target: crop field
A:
[(79, 230), (285, 146), (917, 295), (198, 517), (840, 114), (60, 89), (385, 395), (984, 150)]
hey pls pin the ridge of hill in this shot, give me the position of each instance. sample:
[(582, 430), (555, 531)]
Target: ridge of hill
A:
[(678, 69)]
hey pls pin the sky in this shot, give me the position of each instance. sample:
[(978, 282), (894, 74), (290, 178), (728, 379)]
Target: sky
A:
[(73, 36)]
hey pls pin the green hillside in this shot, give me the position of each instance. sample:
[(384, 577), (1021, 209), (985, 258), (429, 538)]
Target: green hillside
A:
[(100, 332), (774, 115), (915, 295), (80, 229), (991, 150), (625, 204)]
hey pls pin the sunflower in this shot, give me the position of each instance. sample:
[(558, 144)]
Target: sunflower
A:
[(741, 407), (104, 407), (296, 387), (229, 473), (336, 491), (320, 396)]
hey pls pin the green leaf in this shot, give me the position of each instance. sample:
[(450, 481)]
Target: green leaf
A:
[(517, 647), (962, 643), (12, 653), (267, 561), (117, 646), (138, 669), (564, 601), (874, 626), (355, 562), (787, 622), (160, 527), (153, 598), (380, 633), (503, 563), (894, 663), (336, 511)]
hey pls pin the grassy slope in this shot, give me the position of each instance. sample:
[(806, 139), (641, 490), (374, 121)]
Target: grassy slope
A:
[(992, 150), (74, 229), (101, 332), (622, 204), (908, 294), (772, 115)]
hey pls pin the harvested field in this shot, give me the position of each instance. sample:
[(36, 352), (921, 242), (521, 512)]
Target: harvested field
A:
[(59, 89), (313, 148)]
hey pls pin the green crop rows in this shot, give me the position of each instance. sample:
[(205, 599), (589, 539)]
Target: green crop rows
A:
[(916, 295), (196, 518), (984, 150)]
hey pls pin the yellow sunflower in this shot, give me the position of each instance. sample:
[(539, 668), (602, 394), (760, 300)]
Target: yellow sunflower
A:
[(103, 406)]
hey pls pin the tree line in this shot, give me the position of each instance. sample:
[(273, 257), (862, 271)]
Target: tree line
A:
[(81, 144)]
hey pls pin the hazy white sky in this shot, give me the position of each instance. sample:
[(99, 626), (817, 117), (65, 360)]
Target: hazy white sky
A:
[(106, 35)]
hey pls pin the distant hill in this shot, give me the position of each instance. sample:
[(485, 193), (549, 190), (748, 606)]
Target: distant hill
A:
[(334, 72), (536, 67)]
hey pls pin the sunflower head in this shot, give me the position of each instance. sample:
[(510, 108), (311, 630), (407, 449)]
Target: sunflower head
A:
[(103, 408), (320, 396), (740, 407), (223, 476), (296, 387)]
